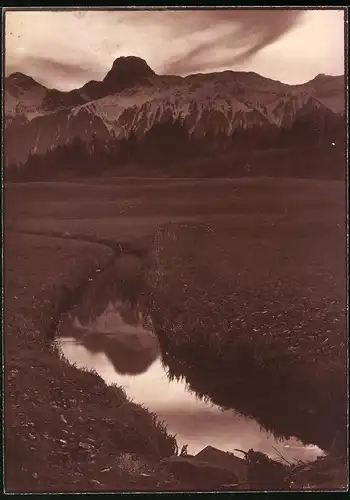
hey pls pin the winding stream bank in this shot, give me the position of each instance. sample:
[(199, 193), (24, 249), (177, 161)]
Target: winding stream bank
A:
[(65, 429), (110, 331)]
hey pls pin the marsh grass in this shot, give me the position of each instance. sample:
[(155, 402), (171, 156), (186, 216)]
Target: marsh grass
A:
[(256, 322), (42, 273)]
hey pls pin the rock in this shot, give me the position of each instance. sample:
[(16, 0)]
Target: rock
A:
[(86, 446), (106, 469), (224, 459), (94, 481), (199, 473)]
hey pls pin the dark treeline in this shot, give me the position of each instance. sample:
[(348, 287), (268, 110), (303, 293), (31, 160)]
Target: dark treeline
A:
[(314, 146)]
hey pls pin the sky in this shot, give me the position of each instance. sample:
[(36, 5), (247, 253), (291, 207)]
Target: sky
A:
[(65, 49)]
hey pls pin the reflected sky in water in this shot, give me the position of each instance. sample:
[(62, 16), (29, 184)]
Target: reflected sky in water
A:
[(120, 345)]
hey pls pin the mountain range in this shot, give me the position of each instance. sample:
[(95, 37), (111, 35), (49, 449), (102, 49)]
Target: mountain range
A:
[(132, 100)]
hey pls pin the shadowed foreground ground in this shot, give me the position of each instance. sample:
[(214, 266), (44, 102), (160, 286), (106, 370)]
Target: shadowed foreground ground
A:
[(285, 239), (64, 426)]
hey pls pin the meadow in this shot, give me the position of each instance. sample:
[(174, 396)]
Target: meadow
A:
[(246, 278)]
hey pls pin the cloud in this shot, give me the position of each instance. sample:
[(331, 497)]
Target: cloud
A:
[(202, 39), (61, 69), (46, 71), (235, 36), (178, 42)]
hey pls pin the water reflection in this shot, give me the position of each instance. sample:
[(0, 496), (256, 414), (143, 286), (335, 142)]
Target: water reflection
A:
[(129, 347), (116, 339)]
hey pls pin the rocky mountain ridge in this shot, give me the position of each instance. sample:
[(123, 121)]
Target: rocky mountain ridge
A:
[(133, 99)]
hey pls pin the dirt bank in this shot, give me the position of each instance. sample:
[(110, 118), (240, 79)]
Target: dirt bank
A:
[(65, 430)]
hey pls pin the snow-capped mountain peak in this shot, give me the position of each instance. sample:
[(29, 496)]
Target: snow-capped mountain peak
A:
[(132, 98)]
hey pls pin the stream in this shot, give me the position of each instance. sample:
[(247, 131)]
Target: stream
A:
[(109, 331)]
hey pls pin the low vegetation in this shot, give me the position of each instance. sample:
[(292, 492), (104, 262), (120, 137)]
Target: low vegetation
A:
[(65, 429), (259, 300), (254, 318)]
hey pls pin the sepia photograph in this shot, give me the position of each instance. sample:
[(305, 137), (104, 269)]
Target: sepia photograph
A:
[(175, 249)]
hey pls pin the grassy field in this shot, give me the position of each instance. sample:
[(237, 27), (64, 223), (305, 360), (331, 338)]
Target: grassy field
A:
[(63, 426), (257, 315), (266, 289)]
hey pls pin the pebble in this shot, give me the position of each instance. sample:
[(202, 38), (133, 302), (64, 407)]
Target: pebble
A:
[(86, 446), (63, 419), (94, 481)]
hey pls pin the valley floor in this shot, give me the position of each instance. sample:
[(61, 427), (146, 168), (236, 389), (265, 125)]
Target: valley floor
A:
[(58, 234)]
